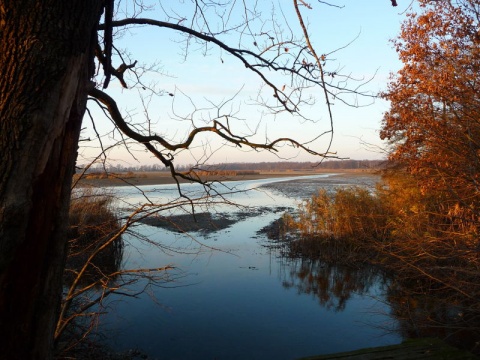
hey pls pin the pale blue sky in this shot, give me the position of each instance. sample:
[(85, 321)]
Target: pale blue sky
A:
[(207, 80)]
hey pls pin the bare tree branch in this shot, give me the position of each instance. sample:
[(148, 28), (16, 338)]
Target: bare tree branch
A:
[(218, 128)]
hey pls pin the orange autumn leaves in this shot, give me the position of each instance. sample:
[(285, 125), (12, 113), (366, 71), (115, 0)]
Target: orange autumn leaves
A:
[(433, 125)]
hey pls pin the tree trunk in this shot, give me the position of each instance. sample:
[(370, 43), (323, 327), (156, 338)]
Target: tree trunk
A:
[(46, 63)]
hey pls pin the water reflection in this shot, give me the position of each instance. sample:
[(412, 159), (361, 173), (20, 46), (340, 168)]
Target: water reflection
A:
[(417, 309), (333, 285), (423, 313)]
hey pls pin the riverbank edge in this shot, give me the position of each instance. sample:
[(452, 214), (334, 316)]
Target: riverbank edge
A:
[(424, 348)]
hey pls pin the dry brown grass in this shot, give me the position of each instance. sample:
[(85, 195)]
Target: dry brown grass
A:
[(341, 226)]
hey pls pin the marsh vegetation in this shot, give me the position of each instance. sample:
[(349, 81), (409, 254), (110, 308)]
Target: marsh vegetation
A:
[(430, 250)]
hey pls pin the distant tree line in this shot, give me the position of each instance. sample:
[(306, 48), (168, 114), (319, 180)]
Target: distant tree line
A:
[(261, 166), (283, 166)]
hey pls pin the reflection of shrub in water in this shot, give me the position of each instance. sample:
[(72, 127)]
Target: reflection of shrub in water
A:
[(425, 314), (432, 253), (333, 285)]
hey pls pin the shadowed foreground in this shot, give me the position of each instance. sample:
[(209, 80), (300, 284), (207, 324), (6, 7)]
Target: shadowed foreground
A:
[(410, 349)]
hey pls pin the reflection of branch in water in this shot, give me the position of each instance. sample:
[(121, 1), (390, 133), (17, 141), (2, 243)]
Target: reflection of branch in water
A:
[(333, 285)]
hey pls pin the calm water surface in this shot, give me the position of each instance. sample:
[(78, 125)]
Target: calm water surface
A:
[(241, 300)]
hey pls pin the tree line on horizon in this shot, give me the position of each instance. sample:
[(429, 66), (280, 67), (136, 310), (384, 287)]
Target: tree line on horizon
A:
[(260, 166)]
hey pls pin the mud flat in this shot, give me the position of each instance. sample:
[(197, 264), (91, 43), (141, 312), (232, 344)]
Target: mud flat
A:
[(207, 223), (163, 177), (305, 188)]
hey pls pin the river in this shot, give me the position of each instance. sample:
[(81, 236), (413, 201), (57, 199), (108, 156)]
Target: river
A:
[(232, 296)]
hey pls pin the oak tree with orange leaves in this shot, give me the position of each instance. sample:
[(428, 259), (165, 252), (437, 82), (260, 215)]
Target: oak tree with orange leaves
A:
[(433, 125), (433, 128)]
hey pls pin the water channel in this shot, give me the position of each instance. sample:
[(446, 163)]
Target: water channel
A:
[(232, 296)]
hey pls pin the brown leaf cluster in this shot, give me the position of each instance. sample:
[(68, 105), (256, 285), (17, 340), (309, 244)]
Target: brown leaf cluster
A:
[(433, 125)]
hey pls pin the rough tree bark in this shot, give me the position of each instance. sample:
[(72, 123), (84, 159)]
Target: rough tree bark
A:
[(46, 63)]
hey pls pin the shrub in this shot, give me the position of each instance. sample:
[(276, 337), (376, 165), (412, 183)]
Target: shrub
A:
[(92, 223), (339, 224), (93, 260)]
